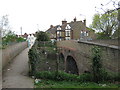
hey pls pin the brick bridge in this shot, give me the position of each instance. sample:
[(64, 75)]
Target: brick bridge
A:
[(77, 56)]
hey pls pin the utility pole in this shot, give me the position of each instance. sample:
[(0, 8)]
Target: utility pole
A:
[(21, 30)]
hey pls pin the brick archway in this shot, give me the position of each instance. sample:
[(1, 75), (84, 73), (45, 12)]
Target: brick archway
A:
[(71, 65), (61, 56), (61, 61)]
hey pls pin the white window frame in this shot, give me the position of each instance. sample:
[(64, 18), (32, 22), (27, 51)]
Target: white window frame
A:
[(67, 32)]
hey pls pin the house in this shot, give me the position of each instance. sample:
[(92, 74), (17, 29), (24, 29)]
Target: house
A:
[(74, 30)]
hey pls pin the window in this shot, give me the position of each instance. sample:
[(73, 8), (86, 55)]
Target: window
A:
[(67, 38), (67, 32), (68, 27), (58, 28), (58, 33)]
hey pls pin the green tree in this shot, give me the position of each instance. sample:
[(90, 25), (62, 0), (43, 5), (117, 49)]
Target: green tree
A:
[(42, 36), (106, 24)]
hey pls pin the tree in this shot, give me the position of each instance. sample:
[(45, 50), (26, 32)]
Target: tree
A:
[(106, 24), (42, 36), (4, 25)]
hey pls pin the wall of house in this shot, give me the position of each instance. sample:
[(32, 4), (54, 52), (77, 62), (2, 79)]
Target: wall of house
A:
[(77, 28), (10, 52)]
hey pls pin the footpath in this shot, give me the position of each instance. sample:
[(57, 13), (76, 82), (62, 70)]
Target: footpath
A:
[(15, 74)]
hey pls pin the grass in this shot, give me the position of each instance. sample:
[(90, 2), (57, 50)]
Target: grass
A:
[(66, 84)]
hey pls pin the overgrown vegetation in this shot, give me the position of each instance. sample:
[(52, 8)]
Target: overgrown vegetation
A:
[(42, 36), (98, 72), (50, 84), (7, 35), (42, 61), (42, 55), (96, 64), (63, 76), (11, 38)]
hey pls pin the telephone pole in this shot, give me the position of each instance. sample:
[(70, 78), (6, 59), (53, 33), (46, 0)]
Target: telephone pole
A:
[(21, 30)]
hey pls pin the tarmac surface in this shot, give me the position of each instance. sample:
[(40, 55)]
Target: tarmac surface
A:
[(15, 74)]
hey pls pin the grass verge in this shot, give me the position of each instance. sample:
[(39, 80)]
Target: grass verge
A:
[(67, 84)]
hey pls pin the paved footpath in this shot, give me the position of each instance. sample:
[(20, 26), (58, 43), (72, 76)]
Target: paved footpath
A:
[(16, 74)]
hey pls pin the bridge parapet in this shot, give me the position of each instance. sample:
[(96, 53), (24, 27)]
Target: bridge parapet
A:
[(10, 52), (82, 53), (110, 54)]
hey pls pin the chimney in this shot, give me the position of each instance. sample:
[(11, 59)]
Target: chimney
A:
[(51, 26), (64, 21), (75, 19), (84, 21)]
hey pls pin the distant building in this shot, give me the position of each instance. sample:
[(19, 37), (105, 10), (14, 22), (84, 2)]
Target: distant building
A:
[(74, 30)]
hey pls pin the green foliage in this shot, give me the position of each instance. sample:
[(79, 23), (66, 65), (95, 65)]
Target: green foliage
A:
[(90, 29), (45, 75), (101, 35), (96, 64), (20, 39), (85, 77), (42, 36), (40, 52), (33, 58), (99, 74), (63, 76), (11, 38), (106, 23), (50, 84)]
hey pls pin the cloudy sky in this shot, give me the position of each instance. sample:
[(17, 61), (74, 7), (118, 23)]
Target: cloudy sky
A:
[(34, 14)]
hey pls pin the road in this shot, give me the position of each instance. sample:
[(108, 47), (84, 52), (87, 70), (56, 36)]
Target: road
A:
[(15, 74)]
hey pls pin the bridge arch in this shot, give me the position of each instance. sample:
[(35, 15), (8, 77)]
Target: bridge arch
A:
[(61, 57), (61, 61), (71, 65)]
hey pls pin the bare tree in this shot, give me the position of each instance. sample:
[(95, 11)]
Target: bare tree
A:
[(4, 25)]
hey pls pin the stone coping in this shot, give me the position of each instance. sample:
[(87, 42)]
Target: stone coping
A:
[(100, 44)]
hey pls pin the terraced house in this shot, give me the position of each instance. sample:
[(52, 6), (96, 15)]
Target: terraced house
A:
[(74, 30)]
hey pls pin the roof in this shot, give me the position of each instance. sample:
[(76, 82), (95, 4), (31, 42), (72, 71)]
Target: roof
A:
[(72, 25)]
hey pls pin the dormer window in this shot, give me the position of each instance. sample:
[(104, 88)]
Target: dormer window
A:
[(58, 28), (68, 27)]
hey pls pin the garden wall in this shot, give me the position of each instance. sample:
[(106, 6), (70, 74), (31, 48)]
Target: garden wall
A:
[(10, 52)]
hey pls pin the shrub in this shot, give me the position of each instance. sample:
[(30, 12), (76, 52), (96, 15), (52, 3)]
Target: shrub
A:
[(42, 36), (63, 76), (45, 75), (33, 58), (96, 64), (85, 77)]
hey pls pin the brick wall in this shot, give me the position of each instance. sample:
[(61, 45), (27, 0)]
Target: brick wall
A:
[(82, 54)]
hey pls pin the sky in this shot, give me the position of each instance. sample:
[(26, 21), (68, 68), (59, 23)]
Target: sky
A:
[(32, 15)]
